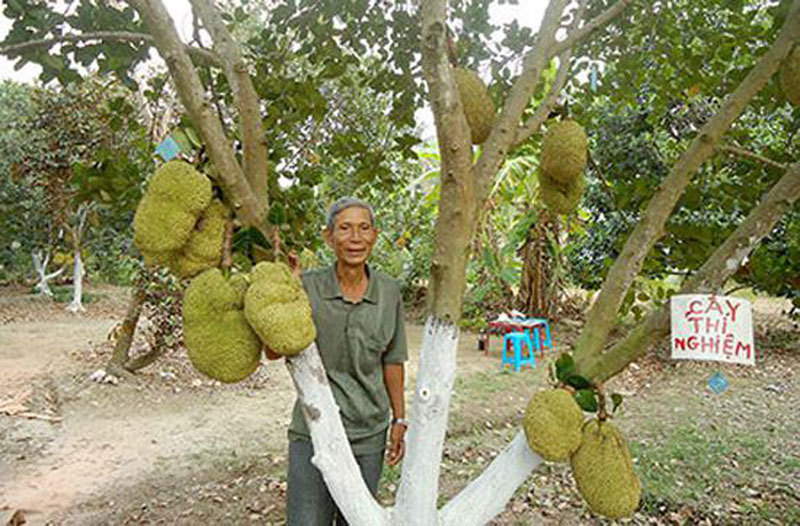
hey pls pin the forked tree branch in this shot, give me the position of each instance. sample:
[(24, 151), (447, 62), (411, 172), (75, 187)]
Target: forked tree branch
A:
[(721, 265), (540, 115), (651, 227), (192, 94), (598, 22), (245, 98), (200, 55)]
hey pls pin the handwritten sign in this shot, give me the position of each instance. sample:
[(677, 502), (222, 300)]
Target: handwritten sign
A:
[(709, 327)]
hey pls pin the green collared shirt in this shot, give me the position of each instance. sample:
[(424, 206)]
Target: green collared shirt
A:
[(355, 340)]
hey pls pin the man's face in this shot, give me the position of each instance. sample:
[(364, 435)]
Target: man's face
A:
[(352, 236)]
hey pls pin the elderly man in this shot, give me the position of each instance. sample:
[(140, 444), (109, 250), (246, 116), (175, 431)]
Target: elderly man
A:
[(358, 314)]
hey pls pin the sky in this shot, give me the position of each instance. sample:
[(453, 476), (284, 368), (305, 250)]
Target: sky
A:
[(527, 13)]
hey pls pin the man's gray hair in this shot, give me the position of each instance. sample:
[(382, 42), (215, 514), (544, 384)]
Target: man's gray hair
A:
[(347, 202)]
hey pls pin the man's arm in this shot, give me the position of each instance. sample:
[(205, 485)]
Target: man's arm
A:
[(394, 378)]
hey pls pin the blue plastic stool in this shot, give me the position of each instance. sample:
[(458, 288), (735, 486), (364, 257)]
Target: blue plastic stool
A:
[(548, 340), (518, 360)]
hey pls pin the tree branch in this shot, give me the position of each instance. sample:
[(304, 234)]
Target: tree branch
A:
[(723, 263), (486, 496), (496, 148), (245, 98), (541, 113), (455, 222), (651, 227), (192, 95), (200, 55), (740, 152), (598, 22)]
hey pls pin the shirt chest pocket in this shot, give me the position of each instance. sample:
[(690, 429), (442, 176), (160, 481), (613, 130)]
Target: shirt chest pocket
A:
[(376, 335)]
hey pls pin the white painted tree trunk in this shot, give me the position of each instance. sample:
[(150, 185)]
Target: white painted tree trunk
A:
[(332, 453), (40, 261), (76, 304), (416, 502), (486, 496), (419, 486)]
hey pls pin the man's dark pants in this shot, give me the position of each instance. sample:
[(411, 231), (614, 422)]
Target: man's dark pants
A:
[(309, 503)]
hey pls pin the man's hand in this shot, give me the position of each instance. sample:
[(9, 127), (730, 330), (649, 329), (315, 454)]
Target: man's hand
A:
[(294, 264), (397, 444)]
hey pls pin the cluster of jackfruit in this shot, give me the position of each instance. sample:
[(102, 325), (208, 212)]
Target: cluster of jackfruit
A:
[(178, 223), (553, 424), (603, 470), (477, 104), (278, 309), (564, 155), (220, 342), (790, 76), (598, 454)]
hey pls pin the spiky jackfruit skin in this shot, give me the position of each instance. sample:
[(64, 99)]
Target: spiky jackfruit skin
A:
[(564, 151), (561, 199), (278, 309), (552, 424), (790, 76), (220, 342), (203, 250), (478, 105), (603, 470), (169, 209)]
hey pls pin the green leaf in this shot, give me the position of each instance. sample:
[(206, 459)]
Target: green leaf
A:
[(578, 382), (586, 400), (565, 366), (616, 399)]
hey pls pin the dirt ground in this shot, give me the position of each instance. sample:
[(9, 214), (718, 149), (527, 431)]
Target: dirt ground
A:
[(170, 447)]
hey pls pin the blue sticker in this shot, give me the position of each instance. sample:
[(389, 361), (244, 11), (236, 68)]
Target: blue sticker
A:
[(717, 382), (168, 148)]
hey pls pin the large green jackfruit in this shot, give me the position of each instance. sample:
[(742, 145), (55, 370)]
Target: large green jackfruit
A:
[(278, 309), (561, 199), (478, 105), (603, 470), (790, 76), (203, 250), (220, 342), (553, 424), (564, 151), (169, 209)]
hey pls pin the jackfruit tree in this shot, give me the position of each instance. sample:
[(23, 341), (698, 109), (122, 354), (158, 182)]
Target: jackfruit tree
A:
[(467, 177)]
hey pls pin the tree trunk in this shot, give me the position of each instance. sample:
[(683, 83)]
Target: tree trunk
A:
[(40, 261), (127, 329), (76, 233), (540, 287)]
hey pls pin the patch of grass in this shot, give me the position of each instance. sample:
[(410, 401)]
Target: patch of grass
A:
[(697, 466)]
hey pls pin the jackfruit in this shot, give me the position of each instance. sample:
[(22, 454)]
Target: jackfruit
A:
[(603, 470), (203, 250), (169, 209), (278, 309), (553, 424), (790, 76), (561, 199), (478, 106), (220, 342), (564, 151)]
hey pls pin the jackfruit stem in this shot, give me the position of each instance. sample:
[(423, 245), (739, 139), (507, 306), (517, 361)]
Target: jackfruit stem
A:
[(602, 415)]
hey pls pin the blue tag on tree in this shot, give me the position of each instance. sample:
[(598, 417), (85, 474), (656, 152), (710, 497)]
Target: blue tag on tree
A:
[(717, 382), (168, 148)]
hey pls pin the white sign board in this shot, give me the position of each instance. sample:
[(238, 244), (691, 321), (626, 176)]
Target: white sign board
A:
[(709, 327)]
